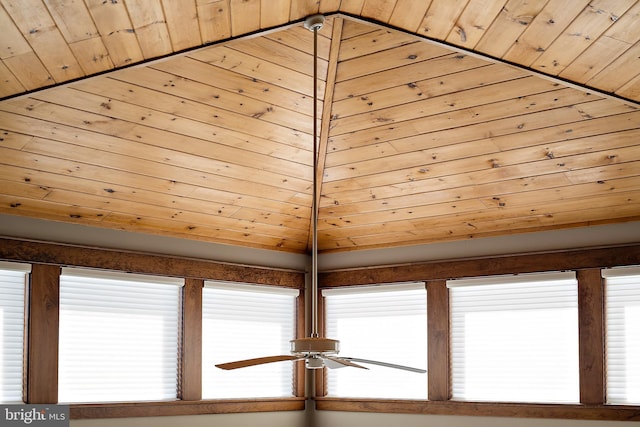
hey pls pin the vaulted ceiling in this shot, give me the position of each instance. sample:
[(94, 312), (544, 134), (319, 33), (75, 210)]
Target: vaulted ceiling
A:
[(439, 120)]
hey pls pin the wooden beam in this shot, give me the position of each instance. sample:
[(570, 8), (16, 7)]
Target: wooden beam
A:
[(191, 349), (135, 262), (451, 407), (512, 264), (591, 336), (41, 355), (438, 340)]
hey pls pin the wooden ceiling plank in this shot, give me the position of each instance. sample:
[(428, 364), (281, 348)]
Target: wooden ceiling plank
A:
[(603, 173), (92, 55), (245, 16), (372, 42), (164, 136), (207, 232), (575, 193), (440, 18), (197, 117), (247, 65), (150, 25), (274, 12), (353, 7), (392, 195), (29, 70), (16, 205), (474, 171), (430, 118), (619, 72), (488, 220), (393, 58), (447, 64), (355, 28), (72, 19), (583, 31), (114, 25), (480, 98), (183, 29), (132, 156), (625, 27), (302, 9), (185, 197), (380, 10), (594, 59), (474, 21), (299, 38), (277, 53), (566, 105), (9, 83), (23, 190), (395, 178), (423, 89), (409, 15), (38, 28), (91, 179), (510, 23), (631, 89), (214, 21), (171, 214), (543, 30), (328, 6), (12, 42), (228, 80)]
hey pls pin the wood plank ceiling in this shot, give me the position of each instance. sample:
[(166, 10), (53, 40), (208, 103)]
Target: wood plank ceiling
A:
[(440, 120)]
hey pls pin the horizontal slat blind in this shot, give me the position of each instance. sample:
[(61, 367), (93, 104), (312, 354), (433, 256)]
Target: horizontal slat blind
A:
[(12, 290), (243, 321), (515, 338), (622, 290), (118, 337), (387, 323)]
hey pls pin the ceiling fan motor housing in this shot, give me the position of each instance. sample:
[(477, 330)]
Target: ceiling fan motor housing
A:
[(315, 346)]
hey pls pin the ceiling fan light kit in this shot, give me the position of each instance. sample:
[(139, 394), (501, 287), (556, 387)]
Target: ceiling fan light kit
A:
[(317, 352)]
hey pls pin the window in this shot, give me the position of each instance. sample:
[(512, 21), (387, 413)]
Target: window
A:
[(118, 336), (243, 321), (515, 338), (12, 289), (387, 323), (622, 296)]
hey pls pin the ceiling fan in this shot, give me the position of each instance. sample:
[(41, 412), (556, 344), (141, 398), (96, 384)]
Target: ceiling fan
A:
[(316, 351)]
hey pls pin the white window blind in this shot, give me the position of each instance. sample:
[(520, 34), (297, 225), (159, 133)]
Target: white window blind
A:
[(622, 296), (515, 338), (118, 336), (12, 289), (387, 323), (243, 321)]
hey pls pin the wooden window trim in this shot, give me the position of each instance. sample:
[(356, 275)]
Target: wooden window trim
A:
[(451, 407), (586, 262), (182, 407), (190, 372), (43, 299), (41, 343)]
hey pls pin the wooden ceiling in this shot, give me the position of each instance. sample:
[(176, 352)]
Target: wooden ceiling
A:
[(439, 120)]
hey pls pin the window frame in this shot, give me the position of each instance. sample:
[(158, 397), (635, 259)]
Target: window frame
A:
[(586, 262), (46, 259)]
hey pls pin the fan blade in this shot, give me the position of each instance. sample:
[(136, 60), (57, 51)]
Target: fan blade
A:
[(256, 361), (385, 364), (339, 362)]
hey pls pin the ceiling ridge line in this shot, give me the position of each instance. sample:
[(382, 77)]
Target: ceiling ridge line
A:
[(325, 119)]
